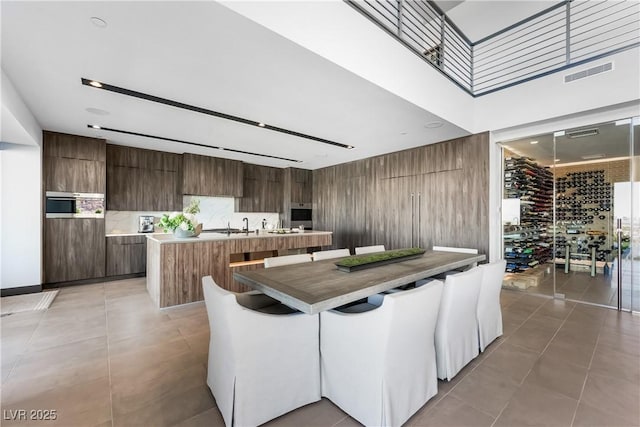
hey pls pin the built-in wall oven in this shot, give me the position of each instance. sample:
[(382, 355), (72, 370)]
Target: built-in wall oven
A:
[(74, 205), (301, 214)]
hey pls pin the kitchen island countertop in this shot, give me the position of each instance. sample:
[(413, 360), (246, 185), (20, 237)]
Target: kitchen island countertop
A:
[(164, 238)]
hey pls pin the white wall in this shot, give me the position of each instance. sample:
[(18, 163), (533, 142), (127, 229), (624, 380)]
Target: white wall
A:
[(20, 192), (337, 32)]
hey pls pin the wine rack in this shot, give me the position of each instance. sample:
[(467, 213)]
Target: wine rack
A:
[(584, 202), (528, 243)]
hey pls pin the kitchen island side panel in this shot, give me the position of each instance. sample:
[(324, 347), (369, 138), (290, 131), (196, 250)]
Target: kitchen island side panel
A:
[(175, 268)]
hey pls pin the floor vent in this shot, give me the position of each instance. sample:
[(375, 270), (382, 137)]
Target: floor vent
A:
[(588, 73)]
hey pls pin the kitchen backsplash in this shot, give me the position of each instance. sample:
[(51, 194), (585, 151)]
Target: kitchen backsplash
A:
[(215, 212)]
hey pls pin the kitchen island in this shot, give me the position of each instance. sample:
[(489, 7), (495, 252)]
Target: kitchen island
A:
[(175, 266)]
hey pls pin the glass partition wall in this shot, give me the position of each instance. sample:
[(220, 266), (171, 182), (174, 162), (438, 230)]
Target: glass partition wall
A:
[(562, 196)]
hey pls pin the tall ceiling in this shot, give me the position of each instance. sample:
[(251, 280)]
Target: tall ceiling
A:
[(203, 54)]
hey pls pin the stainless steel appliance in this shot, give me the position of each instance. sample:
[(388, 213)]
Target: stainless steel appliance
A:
[(301, 214), (74, 205), (145, 224)]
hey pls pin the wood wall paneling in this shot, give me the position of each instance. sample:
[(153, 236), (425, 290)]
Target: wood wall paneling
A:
[(74, 249), (451, 178)]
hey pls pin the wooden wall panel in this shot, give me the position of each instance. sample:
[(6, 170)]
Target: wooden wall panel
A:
[(126, 255), (451, 177)]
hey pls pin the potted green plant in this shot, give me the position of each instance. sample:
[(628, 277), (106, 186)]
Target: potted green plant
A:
[(183, 224)]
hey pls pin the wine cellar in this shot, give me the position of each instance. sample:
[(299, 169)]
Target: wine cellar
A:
[(584, 222)]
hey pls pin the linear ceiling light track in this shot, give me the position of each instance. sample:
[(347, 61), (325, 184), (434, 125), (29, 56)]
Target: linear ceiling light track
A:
[(140, 95), (144, 135)]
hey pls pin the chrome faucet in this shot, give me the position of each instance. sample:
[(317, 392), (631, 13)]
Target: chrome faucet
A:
[(264, 223), (246, 225)]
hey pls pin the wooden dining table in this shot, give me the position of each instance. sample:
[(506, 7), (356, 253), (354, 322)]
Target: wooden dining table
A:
[(317, 286)]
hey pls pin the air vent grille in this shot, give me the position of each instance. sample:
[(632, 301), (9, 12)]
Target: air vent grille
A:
[(589, 72)]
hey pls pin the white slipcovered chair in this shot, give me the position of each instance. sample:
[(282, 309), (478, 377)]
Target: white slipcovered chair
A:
[(369, 249), (489, 313), (457, 329), (379, 366), (334, 253), (286, 260), (260, 365)]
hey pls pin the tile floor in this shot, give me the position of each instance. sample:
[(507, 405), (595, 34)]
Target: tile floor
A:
[(103, 356)]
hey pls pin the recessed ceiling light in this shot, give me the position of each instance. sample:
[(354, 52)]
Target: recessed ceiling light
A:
[(98, 22), (95, 127), (95, 83), (433, 125), (97, 111), (261, 124), (533, 142)]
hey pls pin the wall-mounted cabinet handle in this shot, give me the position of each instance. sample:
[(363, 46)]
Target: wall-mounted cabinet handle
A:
[(413, 216), (419, 220)]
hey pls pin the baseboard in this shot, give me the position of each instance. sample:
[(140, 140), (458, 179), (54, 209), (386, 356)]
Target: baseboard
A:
[(20, 290), (91, 281)]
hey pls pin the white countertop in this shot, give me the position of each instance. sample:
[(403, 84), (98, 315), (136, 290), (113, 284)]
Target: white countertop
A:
[(170, 238), (117, 234)]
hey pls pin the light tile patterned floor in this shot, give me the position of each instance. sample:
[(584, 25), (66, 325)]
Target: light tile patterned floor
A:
[(103, 356)]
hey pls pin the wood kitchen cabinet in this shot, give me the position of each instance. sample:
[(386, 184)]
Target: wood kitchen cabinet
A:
[(74, 249), (143, 180), (211, 176), (126, 255), (73, 163), (262, 189), (297, 187)]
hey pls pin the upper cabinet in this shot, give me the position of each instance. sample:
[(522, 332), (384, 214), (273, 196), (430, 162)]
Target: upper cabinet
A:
[(143, 180), (211, 176), (301, 185), (73, 163), (262, 189)]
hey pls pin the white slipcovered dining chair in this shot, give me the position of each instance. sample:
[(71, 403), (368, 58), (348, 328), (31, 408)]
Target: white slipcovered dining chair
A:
[(457, 328), (260, 365), (379, 366), (334, 253), (369, 249), (489, 313), (286, 260)]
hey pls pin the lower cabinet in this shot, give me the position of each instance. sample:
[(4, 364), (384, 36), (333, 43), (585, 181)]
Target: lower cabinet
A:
[(74, 249), (126, 255)]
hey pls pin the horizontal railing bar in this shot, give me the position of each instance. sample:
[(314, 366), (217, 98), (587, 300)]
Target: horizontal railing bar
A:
[(480, 59), (576, 42), (557, 70), (394, 24), (439, 11), (506, 41), (617, 43), (577, 17), (478, 83), (519, 23), (603, 17), (436, 38), (519, 78), (458, 66), (482, 72), (457, 42), (387, 5)]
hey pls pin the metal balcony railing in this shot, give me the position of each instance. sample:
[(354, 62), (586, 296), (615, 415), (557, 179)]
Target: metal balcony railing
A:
[(563, 36)]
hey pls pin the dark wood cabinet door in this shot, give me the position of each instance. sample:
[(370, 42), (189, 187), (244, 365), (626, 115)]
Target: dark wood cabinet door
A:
[(211, 176), (301, 186), (74, 175), (73, 147), (143, 180), (126, 255), (262, 189), (74, 249)]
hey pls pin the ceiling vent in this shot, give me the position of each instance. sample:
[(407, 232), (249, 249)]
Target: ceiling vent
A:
[(582, 133), (588, 73)]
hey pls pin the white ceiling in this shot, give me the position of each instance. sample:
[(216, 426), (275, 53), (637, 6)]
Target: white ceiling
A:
[(203, 54)]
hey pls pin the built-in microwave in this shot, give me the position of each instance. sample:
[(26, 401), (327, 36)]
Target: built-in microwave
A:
[(302, 214), (74, 205)]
